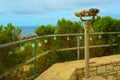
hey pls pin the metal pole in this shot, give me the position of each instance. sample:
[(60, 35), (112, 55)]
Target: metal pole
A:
[(78, 46), (87, 23), (34, 55)]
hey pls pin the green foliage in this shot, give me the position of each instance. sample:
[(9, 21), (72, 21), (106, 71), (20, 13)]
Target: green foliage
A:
[(67, 26), (44, 30), (42, 64), (106, 24), (28, 50), (29, 72), (1, 68), (66, 56), (8, 55), (63, 26), (9, 33), (117, 49)]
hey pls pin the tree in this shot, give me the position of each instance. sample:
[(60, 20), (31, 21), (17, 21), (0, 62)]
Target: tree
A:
[(106, 24), (45, 30), (8, 56), (9, 33)]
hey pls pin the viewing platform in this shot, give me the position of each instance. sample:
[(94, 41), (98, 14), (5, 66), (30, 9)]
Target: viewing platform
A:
[(107, 67)]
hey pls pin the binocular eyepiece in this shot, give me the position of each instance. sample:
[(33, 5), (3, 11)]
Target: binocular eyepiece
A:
[(94, 10), (88, 12)]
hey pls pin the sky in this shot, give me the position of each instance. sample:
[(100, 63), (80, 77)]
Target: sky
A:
[(29, 13)]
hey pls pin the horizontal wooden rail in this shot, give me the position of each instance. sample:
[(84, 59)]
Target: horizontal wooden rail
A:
[(57, 35), (25, 63), (96, 46)]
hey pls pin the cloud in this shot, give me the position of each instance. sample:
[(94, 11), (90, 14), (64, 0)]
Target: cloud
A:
[(45, 6), (49, 11)]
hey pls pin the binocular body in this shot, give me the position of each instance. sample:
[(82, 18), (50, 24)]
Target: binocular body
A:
[(87, 12)]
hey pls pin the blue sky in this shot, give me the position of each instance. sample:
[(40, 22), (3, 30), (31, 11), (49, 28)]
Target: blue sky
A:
[(38, 12)]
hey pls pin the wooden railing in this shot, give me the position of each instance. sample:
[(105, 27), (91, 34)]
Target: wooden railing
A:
[(46, 52)]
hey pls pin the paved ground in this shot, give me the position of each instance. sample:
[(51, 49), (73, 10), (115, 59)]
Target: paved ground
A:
[(96, 78), (63, 71)]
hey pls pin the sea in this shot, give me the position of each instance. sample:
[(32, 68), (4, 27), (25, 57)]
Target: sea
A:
[(26, 31)]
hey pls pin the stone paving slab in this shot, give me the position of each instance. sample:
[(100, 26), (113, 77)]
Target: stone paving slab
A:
[(63, 71), (97, 78)]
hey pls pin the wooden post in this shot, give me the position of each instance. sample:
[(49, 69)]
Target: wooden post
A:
[(87, 27)]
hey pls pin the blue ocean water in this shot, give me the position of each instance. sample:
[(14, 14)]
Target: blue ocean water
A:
[(27, 31)]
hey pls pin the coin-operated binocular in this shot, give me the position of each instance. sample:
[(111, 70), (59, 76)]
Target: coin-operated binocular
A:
[(87, 13), (92, 12)]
